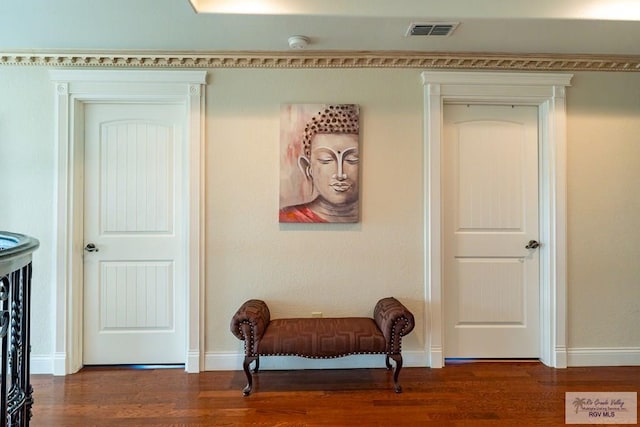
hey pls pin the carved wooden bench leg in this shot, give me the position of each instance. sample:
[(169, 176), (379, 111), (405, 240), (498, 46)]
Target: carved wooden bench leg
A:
[(398, 359), (247, 371)]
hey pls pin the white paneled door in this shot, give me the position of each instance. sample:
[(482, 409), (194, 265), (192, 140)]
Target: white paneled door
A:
[(134, 257), (490, 232)]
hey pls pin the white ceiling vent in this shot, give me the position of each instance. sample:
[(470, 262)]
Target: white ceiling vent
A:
[(431, 28)]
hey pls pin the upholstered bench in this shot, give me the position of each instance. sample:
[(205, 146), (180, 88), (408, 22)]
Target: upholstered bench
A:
[(322, 338)]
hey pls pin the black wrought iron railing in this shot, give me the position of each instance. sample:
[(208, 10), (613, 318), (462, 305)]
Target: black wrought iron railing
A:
[(15, 300)]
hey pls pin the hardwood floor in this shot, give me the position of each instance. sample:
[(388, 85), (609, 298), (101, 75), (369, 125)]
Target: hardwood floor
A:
[(466, 394)]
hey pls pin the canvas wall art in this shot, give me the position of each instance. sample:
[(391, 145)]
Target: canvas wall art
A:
[(319, 163)]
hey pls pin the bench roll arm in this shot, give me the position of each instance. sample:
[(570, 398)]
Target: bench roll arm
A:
[(249, 323), (395, 321)]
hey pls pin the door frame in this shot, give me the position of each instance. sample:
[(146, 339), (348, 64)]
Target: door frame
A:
[(74, 88), (547, 92)]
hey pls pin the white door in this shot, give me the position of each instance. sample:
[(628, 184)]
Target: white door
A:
[(490, 213), (134, 284)]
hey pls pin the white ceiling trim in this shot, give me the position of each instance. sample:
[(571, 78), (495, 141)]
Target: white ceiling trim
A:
[(317, 59)]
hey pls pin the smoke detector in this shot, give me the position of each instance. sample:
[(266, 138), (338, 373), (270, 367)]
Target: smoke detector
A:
[(298, 42), (441, 29)]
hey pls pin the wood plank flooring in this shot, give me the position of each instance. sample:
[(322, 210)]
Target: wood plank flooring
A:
[(465, 394)]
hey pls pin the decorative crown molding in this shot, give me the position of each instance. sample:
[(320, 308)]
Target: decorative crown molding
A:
[(325, 59)]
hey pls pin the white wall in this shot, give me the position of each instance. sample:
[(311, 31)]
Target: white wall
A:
[(343, 269), (604, 216), (27, 173), (337, 269)]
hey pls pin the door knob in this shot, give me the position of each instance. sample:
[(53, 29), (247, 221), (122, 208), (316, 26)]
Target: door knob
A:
[(91, 248), (532, 244)]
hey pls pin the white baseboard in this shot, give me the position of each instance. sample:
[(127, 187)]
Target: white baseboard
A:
[(437, 357), (231, 361), (615, 356), (560, 356), (223, 361), (51, 364), (192, 364), (60, 364), (41, 364)]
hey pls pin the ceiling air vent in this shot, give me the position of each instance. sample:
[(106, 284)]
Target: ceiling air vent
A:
[(431, 28)]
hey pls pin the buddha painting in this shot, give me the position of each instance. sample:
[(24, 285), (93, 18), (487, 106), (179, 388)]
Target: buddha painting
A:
[(319, 163)]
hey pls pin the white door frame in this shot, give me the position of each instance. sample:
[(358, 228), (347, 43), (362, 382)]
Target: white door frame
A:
[(73, 89), (547, 92)]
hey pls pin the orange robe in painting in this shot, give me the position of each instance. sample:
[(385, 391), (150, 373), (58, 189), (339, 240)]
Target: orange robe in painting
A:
[(299, 213)]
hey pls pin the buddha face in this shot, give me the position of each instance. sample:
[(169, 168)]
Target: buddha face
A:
[(333, 167)]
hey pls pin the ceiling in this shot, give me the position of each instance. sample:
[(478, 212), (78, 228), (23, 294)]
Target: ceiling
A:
[(603, 27)]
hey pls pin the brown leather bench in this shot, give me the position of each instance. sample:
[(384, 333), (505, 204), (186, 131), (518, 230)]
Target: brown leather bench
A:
[(322, 338)]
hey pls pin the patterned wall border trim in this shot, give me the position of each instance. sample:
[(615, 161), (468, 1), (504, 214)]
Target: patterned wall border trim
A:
[(455, 61)]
